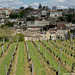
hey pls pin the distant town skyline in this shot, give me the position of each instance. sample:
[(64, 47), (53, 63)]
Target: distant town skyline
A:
[(35, 3)]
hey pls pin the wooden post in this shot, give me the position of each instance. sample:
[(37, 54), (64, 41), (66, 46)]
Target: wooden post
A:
[(27, 47), (69, 30), (45, 52), (17, 40), (2, 48), (39, 46), (6, 68), (47, 39), (73, 45), (62, 44), (59, 68), (61, 53), (50, 44), (3, 40), (10, 39), (72, 68), (28, 55), (12, 55), (71, 39), (32, 68)]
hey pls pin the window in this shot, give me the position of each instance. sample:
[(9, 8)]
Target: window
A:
[(55, 15)]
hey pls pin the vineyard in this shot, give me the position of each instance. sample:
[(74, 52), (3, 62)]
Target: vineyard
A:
[(37, 58)]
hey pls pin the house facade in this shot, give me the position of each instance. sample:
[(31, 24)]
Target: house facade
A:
[(2, 20), (61, 32), (38, 22), (55, 13), (5, 12), (41, 22)]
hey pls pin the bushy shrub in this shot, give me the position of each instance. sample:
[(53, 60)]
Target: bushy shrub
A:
[(19, 36)]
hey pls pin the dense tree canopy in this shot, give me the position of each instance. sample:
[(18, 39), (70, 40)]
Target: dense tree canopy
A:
[(8, 24), (21, 15), (61, 18), (19, 36), (40, 6), (70, 17), (14, 16), (29, 8), (32, 18), (22, 8), (6, 32)]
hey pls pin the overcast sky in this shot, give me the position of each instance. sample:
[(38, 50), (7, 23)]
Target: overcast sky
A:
[(35, 3)]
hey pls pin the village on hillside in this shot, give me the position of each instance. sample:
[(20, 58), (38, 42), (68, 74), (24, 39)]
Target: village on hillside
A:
[(40, 24)]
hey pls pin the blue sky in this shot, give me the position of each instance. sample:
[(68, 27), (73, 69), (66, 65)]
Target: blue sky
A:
[(35, 3)]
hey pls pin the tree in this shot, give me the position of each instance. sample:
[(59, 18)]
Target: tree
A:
[(61, 18), (32, 18), (8, 24), (40, 6), (50, 37), (22, 8), (70, 17), (19, 36), (21, 15), (29, 8), (14, 16), (45, 7), (6, 32)]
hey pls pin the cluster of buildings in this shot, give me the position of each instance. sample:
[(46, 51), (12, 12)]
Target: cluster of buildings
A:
[(4, 15), (61, 31), (43, 17)]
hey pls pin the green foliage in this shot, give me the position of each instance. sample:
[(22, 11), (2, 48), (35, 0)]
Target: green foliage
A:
[(19, 36), (21, 14), (69, 33), (61, 18), (22, 8), (29, 8), (70, 17), (40, 6), (6, 32), (14, 16), (45, 7), (32, 18), (7, 59), (34, 56), (53, 62), (72, 31), (8, 24), (50, 37)]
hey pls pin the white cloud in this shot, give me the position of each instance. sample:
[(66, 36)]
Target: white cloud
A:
[(63, 7), (25, 5), (35, 5), (18, 3), (10, 3), (60, 3), (61, 0)]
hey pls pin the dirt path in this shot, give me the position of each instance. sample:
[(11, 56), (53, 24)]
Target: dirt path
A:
[(14, 66), (5, 54), (27, 70)]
